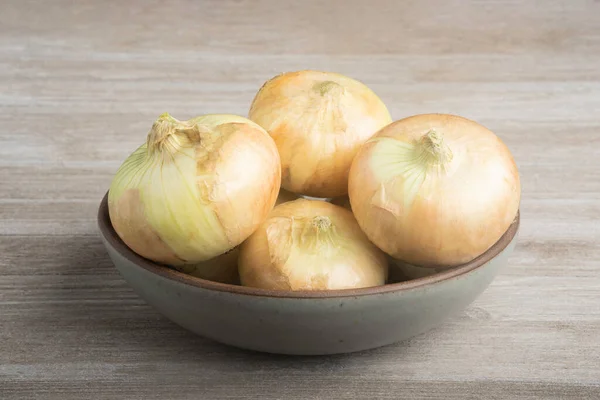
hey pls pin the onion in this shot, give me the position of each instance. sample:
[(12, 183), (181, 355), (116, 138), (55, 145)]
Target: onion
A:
[(319, 120), (310, 245), (195, 190), (434, 190)]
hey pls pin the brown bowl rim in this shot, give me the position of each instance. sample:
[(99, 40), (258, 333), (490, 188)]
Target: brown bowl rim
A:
[(115, 241)]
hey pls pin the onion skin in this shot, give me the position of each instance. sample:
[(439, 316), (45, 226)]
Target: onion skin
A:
[(436, 208), (310, 245), (195, 190), (318, 120)]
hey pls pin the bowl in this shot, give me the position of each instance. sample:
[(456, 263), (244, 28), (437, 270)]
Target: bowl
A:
[(306, 322)]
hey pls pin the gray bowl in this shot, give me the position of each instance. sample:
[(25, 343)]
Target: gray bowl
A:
[(305, 323)]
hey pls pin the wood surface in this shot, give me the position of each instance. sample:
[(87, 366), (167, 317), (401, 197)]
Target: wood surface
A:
[(81, 83)]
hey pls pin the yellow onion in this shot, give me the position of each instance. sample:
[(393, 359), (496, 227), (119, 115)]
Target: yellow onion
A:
[(195, 190), (434, 190), (310, 245), (318, 120)]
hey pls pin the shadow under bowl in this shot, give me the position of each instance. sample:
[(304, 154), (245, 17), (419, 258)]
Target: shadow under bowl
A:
[(306, 322)]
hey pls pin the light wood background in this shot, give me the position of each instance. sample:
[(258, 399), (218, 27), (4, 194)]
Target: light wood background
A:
[(81, 83)]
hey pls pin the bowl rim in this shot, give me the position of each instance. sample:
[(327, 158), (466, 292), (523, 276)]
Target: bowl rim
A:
[(112, 238)]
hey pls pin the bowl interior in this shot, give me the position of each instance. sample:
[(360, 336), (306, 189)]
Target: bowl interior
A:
[(113, 239)]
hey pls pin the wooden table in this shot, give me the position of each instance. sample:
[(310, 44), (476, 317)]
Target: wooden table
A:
[(81, 83)]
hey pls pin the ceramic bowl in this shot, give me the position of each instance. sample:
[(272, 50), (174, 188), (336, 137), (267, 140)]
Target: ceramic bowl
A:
[(306, 323)]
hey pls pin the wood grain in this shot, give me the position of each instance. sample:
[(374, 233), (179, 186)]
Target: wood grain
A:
[(81, 83)]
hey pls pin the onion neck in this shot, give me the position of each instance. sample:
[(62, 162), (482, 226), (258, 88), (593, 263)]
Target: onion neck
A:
[(327, 99), (317, 234), (432, 151), (321, 224), (169, 135), (323, 231), (329, 89)]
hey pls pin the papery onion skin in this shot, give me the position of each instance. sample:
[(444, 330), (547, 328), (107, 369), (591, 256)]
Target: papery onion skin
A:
[(319, 120), (310, 245), (195, 190), (434, 211)]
